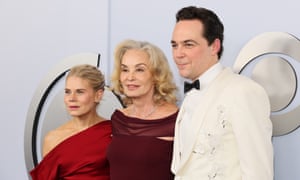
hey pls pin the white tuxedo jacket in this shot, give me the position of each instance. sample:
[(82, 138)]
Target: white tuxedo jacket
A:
[(230, 133)]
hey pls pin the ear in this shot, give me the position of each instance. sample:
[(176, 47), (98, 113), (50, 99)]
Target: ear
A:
[(98, 95), (216, 46)]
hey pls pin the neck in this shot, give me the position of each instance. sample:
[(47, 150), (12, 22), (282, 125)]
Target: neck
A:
[(86, 122), (143, 111)]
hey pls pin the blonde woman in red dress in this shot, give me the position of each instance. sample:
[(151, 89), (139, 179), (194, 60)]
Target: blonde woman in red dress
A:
[(77, 149)]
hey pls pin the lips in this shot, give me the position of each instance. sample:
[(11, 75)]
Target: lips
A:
[(73, 107), (181, 65), (132, 87)]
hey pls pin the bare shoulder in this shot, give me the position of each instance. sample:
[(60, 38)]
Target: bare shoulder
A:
[(167, 109), (55, 137), (126, 111)]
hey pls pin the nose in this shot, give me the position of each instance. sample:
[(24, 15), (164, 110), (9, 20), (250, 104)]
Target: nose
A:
[(131, 76), (72, 97), (178, 52)]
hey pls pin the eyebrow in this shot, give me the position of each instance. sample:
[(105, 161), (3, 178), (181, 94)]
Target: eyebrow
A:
[(140, 64), (82, 89), (185, 41)]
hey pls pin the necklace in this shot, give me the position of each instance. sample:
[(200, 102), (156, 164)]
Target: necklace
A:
[(148, 114)]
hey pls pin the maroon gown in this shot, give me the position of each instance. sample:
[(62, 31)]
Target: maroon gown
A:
[(79, 157), (136, 153)]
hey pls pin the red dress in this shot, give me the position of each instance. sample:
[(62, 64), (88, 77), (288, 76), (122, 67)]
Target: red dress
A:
[(136, 153), (79, 157)]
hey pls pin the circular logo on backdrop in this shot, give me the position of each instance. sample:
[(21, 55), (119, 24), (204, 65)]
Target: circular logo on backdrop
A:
[(271, 59), (47, 109)]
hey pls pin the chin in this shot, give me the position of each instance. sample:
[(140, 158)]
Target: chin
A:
[(184, 75), (131, 96), (75, 114)]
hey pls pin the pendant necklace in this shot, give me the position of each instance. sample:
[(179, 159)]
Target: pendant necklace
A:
[(148, 114)]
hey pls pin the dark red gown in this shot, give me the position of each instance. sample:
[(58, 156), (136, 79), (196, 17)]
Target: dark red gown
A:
[(136, 153), (79, 157)]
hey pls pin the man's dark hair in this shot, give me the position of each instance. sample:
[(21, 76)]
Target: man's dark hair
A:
[(213, 27)]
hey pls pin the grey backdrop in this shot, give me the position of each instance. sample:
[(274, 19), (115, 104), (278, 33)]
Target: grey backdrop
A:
[(37, 35)]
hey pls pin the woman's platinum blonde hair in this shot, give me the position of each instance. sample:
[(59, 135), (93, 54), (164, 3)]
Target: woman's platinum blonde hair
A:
[(165, 88), (90, 73)]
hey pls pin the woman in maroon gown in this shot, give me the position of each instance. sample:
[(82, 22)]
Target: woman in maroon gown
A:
[(142, 142), (77, 149)]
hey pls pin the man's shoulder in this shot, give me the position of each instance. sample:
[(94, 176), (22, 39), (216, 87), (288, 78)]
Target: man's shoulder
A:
[(239, 78), (238, 81)]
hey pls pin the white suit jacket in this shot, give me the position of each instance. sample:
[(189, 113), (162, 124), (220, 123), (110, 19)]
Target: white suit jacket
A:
[(230, 133)]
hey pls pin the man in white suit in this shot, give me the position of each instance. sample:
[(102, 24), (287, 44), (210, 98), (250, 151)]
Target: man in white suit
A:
[(223, 130)]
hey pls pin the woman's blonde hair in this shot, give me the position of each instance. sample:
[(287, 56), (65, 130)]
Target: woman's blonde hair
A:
[(165, 88), (90, 73)]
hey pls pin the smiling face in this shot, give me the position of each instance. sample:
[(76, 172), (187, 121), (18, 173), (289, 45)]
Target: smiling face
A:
[(80, 98), (136, 78), (191, 52)]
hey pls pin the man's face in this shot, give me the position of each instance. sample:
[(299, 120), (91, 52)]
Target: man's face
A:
[(191, 52)]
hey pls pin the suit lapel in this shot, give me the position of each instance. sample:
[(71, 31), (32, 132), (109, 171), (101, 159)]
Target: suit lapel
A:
[(191, 134)]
